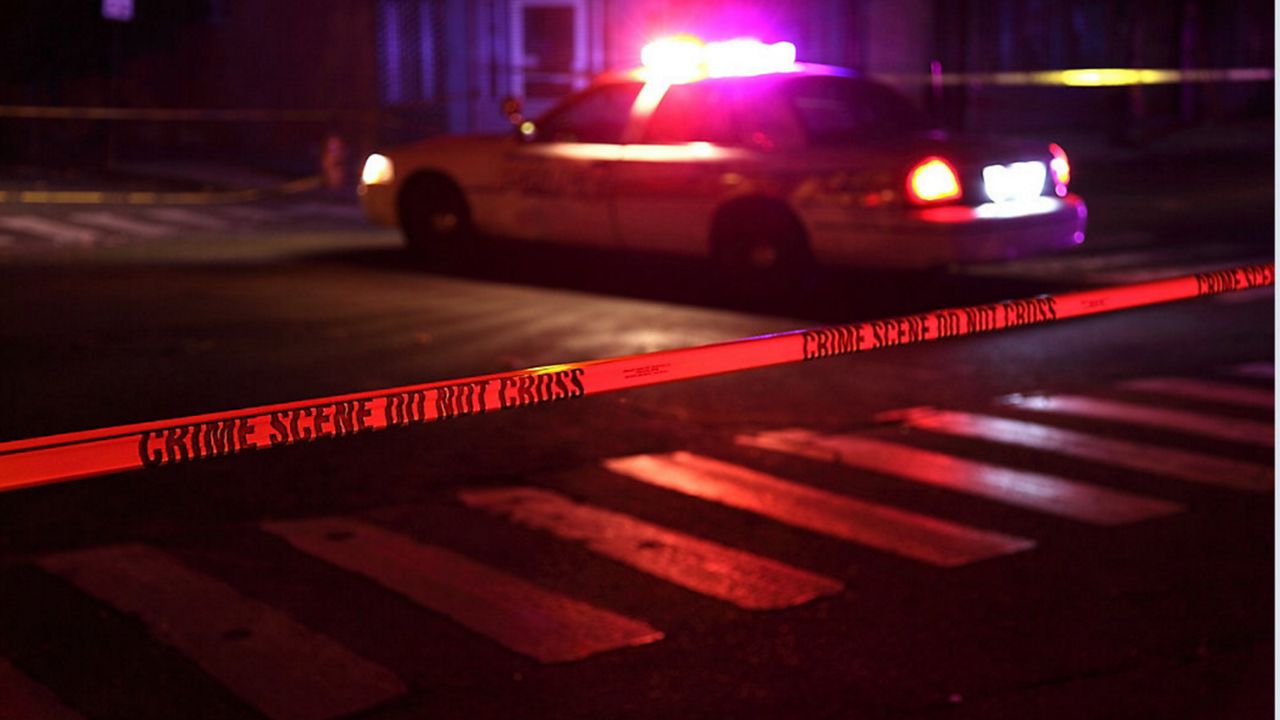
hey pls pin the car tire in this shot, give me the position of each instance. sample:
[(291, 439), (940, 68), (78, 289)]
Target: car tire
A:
[(762, 249), (435, 218)]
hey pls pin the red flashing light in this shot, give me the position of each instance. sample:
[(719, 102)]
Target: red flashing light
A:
[(933, 180), (1059, 169)]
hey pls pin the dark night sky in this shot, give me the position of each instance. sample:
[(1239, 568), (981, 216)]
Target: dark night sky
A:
[(43, 40)]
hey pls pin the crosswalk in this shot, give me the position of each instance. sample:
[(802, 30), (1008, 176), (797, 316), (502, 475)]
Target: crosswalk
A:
[(285, 667), (28, 230)]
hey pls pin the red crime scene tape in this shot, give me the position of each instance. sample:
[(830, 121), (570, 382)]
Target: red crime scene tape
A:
[(69, 456)]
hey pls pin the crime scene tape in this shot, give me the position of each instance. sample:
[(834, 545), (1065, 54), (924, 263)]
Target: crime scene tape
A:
[(138, 197), (1090, 77), (63, 112), (70, 456)]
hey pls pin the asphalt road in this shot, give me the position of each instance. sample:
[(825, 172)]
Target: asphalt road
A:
[(1065, 533)]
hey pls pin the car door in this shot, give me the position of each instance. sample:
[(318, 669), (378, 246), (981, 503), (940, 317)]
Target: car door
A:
[(668, 185), (559, 176)]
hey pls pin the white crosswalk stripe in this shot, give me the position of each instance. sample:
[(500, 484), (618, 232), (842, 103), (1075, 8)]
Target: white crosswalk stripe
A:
[(250, 213), (123, 224), (1161, 460), (545, 625), (744, 579), (1030, 490), (1213, 426), (1208, 390), (44, 228), (323, 210), (1262, 370), (33, 232), (186, 216), (912, 535), (285, 670)]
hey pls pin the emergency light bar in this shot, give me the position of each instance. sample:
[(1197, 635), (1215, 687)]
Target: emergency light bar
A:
[(684, 58)]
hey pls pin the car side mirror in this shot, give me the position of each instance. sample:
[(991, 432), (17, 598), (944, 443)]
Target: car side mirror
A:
[(513, 109)]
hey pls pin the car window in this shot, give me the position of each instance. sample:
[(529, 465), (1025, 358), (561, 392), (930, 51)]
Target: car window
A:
[(599, 115), (838, 109), (698, 112)]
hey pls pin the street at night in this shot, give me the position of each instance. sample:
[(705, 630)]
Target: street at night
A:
[(1066, 520)]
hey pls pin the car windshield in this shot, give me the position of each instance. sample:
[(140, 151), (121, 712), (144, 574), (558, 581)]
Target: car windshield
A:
[(781, 112), (836, 109)]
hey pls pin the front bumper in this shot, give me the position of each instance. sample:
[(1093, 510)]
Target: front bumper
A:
[(930, 237), (378, 202)]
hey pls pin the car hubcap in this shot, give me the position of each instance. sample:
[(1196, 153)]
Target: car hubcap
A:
[(762, 256), (444, 222)]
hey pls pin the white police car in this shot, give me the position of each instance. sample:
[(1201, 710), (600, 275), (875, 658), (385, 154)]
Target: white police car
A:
[(736, 152)]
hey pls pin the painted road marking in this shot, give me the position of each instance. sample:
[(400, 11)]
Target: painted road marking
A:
[(54, 230), (280, 667), (1161, 460), (22, 698), (742, 578), (1031, 490), (1209, 390), (123, 224), (185, 216), (252, 214), (335, 212), (524, 617), (1214, 426), (912, 535), (1261, 370)]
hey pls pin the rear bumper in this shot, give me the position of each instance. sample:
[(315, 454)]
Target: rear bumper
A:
[(930, 237)]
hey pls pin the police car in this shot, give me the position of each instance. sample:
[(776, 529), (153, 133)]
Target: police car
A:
[(736, 152)]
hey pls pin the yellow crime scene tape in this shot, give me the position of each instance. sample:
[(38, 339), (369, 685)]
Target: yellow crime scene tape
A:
[(138, 197), (53, 112), (1091, 77), (69, 456)]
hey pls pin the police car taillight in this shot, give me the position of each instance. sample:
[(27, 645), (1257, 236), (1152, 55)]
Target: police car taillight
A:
[(1060, 169), (932, 180)]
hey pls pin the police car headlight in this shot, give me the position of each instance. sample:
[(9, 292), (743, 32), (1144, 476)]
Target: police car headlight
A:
[(378, 170)]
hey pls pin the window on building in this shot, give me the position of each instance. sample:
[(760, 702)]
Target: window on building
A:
[(410, 51), (549, 47)]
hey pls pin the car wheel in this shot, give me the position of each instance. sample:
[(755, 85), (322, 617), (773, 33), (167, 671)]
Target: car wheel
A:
[(435, 218), (762, 249)]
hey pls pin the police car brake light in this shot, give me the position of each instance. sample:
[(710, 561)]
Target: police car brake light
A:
[(684, 58), (932, 180)]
